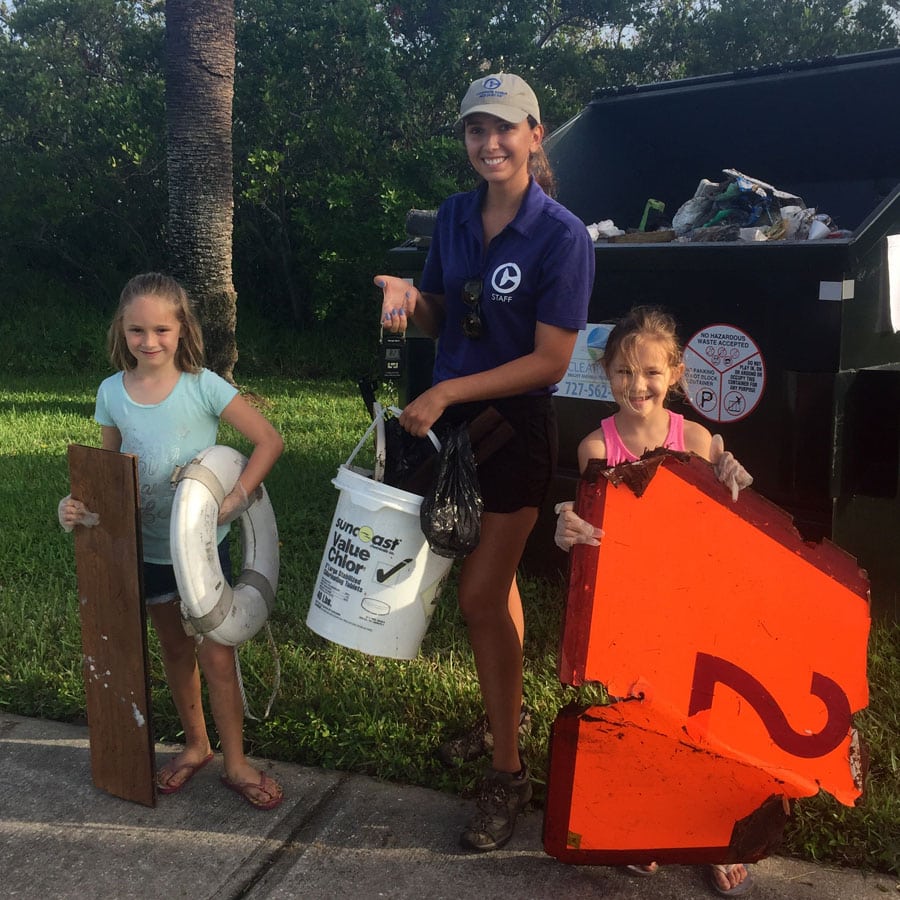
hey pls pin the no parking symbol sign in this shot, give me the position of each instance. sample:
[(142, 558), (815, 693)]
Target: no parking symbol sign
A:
[(725, 373)]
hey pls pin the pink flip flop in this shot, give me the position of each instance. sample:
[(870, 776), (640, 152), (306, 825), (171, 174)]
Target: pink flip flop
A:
[(167, 787), (245, 789)]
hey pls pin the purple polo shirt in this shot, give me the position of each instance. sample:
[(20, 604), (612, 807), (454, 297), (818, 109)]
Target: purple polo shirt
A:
[(540, 268)]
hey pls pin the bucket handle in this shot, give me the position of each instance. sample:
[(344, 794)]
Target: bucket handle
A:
[(378, 418)]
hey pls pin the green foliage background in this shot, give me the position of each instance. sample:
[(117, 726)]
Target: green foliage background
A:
[(343, 120)]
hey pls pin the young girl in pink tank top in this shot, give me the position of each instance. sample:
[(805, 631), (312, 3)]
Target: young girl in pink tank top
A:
[(643, 362), (644, 365)]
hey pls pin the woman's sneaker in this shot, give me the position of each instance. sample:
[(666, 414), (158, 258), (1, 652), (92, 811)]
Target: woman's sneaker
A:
[(500, 799), (476, 742)]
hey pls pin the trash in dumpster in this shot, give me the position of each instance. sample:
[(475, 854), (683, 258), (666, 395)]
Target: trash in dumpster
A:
[(652, 229), (740, 208), (743, 208), (652, 218), (601, 231), (737, 669)]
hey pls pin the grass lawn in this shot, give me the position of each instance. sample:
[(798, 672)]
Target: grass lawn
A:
[(337, 708)]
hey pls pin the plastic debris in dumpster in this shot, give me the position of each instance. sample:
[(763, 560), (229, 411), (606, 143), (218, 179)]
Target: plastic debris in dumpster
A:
[(740, 208), (745, 208), (738, 667)]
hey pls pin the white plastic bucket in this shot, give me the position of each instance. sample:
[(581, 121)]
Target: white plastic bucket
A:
[(378, 581)]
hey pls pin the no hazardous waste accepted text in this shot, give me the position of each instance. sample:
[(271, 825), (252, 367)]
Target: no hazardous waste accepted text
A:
[(725, 373)]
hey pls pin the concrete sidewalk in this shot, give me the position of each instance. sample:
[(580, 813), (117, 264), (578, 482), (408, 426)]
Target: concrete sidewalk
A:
[(336, 835)]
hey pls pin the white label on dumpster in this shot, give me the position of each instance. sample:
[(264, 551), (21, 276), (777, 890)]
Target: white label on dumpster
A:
[(725, 373), (585, 377)]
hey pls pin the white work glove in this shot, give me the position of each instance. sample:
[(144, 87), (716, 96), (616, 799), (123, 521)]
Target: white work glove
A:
[(73, 512), (728, 470), (572, 529), (236, 504)]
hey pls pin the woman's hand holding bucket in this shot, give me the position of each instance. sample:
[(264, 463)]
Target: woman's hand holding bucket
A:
[(420, 414)]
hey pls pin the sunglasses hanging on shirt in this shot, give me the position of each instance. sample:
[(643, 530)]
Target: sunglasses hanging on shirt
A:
[(472, 325)]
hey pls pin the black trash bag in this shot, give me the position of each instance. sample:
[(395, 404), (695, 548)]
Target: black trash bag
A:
[(451, 510), (404, 453)]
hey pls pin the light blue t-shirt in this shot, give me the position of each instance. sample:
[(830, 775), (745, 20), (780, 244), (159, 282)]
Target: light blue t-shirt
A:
[(162, 436)]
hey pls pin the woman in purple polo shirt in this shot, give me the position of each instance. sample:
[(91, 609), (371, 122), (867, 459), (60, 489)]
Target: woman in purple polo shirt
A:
[(505, 289)]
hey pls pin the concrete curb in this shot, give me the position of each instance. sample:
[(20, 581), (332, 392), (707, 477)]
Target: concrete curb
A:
[(336, 835)]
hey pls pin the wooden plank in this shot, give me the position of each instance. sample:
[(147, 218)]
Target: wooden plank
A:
[(113, 624)]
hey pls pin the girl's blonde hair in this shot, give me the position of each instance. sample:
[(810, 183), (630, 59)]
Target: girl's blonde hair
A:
[(645, 323), (189, 356)]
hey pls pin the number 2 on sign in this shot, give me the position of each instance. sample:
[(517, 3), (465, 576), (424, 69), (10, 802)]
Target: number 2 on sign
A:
[(710, 670)]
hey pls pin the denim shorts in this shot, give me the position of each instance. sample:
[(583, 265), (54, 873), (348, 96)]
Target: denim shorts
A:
[(159, 578)]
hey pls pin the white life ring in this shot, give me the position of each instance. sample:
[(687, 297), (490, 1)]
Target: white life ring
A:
[(209, 605)]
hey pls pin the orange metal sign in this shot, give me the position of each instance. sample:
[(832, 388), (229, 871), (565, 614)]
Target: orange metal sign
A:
[(739, 651)]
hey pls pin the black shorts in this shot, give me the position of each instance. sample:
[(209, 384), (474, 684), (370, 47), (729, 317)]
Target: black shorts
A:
[(520, 472), (159, 578)]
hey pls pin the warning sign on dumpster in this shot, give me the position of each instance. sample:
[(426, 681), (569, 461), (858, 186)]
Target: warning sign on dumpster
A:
[(725, 373)]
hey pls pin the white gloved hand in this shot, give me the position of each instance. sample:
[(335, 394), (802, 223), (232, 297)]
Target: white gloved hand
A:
[(73, 512), (728, 470), (236, 504), (572, 529)]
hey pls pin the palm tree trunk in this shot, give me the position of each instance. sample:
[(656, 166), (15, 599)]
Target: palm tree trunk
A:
[(200, 63)]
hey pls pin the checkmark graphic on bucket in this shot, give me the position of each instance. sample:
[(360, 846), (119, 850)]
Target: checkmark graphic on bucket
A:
[(381, 576)]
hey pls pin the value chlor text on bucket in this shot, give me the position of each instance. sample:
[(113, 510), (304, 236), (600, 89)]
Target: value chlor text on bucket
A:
[(378, 581)]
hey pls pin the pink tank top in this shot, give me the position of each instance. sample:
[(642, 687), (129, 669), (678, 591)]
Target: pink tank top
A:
[(617, 452)]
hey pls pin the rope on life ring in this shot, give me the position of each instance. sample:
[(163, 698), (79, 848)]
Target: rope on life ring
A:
[(210, 606)]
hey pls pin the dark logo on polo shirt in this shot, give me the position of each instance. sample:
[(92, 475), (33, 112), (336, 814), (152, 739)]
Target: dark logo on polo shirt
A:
[(506, 278)]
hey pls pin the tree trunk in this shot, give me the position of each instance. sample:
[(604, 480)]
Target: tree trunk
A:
[(199, 94)]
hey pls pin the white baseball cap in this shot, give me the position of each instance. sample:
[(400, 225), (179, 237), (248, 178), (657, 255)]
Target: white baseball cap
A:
[(506, 96)]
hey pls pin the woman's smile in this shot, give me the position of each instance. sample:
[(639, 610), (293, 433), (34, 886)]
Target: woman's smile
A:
[(500, 149)]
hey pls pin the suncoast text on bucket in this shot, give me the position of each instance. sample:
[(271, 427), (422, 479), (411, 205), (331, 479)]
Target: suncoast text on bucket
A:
[(346, 554)]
